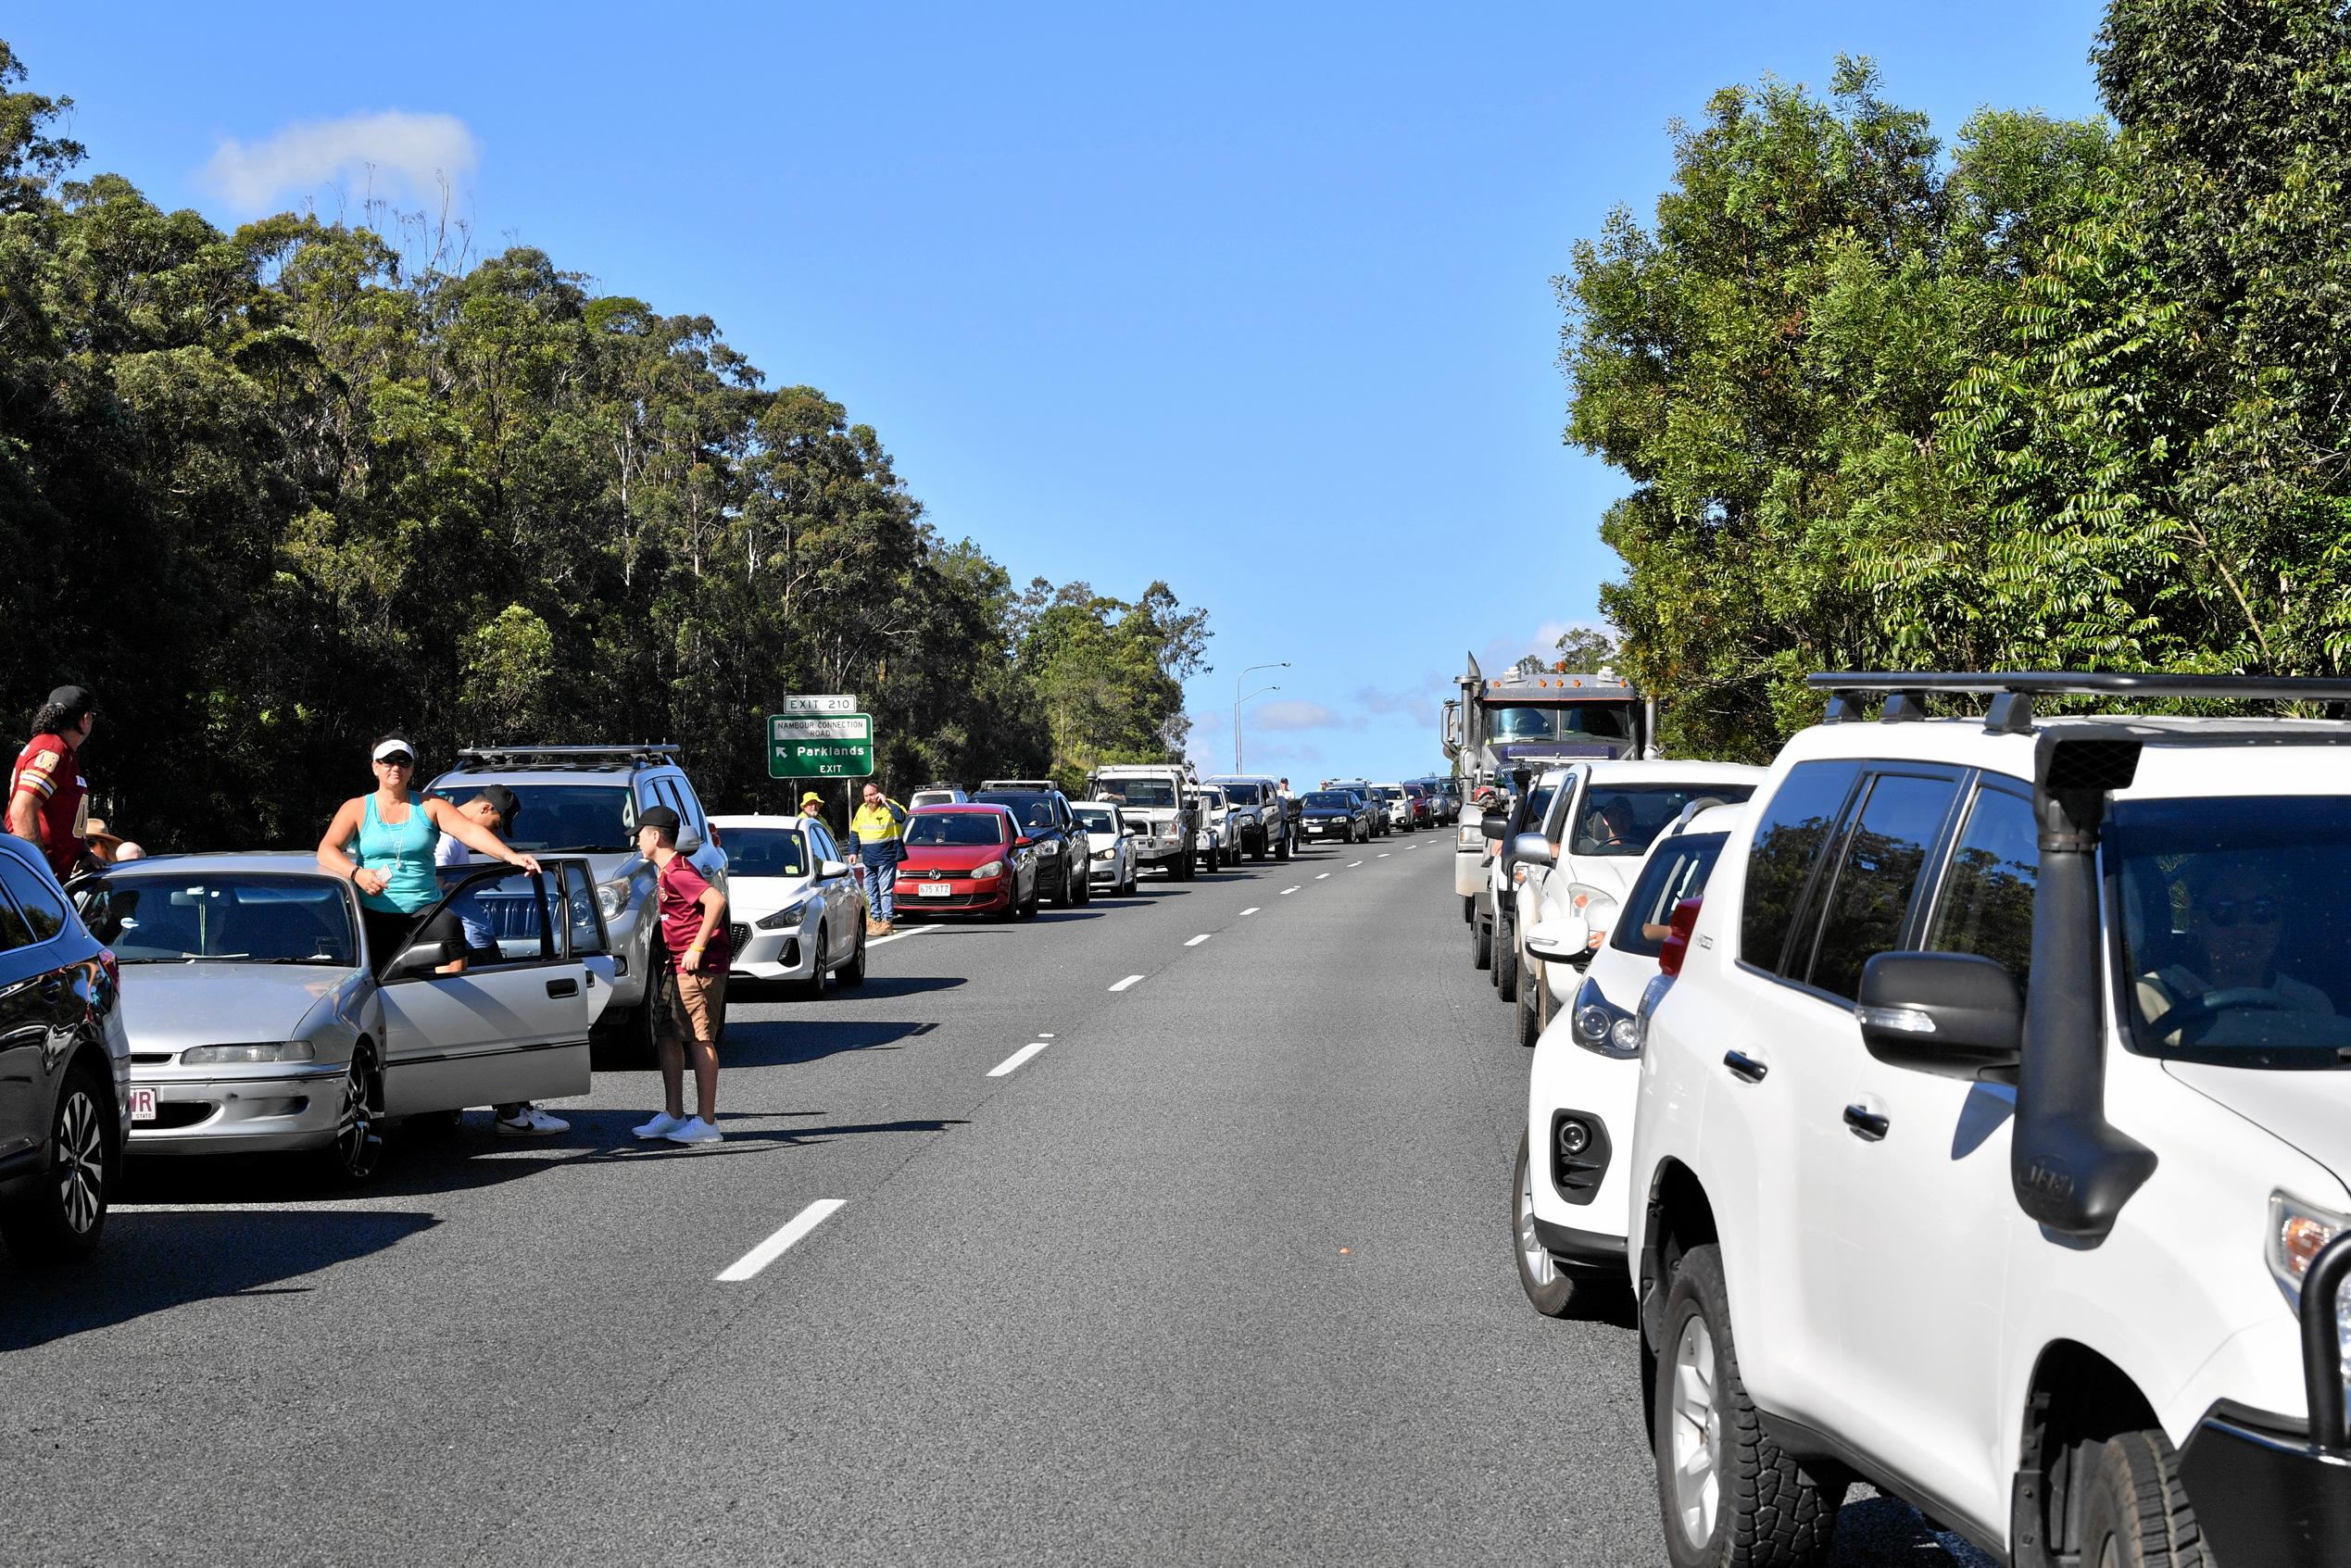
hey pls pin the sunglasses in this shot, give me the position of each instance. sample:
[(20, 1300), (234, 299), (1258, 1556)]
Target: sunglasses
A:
[(2231, 912), (397, 759)]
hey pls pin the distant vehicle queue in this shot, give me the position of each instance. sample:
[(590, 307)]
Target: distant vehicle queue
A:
[(478, 940)]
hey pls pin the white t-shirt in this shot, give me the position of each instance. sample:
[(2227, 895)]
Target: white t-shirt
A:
[(451, 851)]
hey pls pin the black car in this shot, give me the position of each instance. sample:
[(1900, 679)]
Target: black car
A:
[(1328, 816), (65, 1067), (1059, 838)]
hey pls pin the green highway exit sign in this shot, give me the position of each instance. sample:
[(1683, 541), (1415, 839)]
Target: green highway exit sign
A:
[(835, 746)]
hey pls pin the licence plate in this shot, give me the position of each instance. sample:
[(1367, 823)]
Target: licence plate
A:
[(143, 1105), (934, 890)]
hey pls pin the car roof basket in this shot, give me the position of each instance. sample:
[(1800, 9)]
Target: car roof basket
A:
[(2012, 692), (605, 756)]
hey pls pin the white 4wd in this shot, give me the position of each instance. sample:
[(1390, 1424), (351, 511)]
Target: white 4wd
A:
[(2038, 1266)]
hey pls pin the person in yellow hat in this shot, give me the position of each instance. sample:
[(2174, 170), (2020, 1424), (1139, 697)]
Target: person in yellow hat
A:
[(812, 806)]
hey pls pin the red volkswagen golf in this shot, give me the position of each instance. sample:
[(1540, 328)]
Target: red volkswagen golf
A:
[(966, 861)]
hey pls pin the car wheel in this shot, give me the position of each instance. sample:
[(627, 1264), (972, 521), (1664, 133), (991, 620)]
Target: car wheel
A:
[(61, 1214), (1061, 894), (1550, 1289), (358, 1125), (1133, 875), (1482, 943), (1728, 1492), (813, 987), (1086, 884), (1531, 992), (2135, 1515), (622, 1038), (1281, 850), (1506, 962), (853, 972)]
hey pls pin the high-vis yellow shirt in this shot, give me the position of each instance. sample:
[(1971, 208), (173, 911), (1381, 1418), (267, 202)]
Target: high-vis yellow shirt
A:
[(876, 825)]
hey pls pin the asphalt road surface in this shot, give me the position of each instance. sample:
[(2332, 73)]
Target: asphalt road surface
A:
[(1171, 1229)]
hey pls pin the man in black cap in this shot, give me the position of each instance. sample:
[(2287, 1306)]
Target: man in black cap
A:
[(689, 1008), (48, 797)]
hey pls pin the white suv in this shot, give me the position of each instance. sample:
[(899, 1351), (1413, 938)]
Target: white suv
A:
[(2059, 1262)]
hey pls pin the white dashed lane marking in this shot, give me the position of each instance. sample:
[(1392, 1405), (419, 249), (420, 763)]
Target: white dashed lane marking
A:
[(1322, 876), (749, 1265), (1200, 938), (1014, 1061), (1130, 980), (1288, 891), (1353, 864), (1251, 910)]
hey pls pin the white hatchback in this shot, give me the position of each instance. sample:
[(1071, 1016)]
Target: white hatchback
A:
[(796, 910)]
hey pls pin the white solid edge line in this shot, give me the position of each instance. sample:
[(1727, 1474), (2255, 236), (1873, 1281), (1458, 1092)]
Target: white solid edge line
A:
[(1251, 910), (1014, 1061), (1200, 938), (766, 1252), (899, 935), (1130, 980), (1288, 891)]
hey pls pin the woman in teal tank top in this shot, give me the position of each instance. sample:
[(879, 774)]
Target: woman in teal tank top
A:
[(383, 843)]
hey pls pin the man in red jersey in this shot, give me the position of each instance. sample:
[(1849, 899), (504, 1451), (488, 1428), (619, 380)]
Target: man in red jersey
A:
[(48, 798)]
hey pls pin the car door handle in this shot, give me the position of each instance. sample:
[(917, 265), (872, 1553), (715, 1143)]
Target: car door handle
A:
[(1746, 1066), (1866, 1122), (566, 988)]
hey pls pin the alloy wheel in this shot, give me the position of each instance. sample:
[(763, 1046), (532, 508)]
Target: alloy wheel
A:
[(80, 1162), (1540, 1266), (1696, 1433), (357, 1140)]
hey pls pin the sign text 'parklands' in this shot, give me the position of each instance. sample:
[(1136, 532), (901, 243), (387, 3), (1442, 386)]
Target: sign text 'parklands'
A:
[(833, 746)]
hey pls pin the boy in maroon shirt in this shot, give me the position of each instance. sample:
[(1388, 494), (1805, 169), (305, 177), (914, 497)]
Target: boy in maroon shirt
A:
[(48, 798), (691, 1009)]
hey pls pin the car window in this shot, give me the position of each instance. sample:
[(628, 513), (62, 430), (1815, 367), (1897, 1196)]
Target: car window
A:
[(1137, 792), (1098, 819), (1870, 898), (505, 916), (42, 911), (820, 843), (15, 930), (1677, 871), (1986, 903), (1791, 834), (690, 806), (579, 901), (223, 916), (1623, 820)]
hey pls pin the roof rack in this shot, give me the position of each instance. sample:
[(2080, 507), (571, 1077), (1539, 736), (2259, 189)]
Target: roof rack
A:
[(2012, 691), (525, 756)]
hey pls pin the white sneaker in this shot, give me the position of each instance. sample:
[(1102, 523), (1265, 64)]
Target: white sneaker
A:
[(533, 1123), (662, 1126), (693, 1130)]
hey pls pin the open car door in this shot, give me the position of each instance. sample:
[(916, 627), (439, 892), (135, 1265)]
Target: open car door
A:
[(513, 1023)]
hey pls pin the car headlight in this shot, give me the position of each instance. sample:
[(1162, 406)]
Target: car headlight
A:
[(266, 1050), (1106, 854), (2298, 1233), (1601, 1025), (789, 915), (989, 871), (1469, 835), (613, 897)]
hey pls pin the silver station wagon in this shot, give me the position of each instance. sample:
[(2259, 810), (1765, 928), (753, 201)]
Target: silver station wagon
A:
[(259, 1020)]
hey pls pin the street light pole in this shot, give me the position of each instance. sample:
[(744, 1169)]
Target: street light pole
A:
[(1239, 699)]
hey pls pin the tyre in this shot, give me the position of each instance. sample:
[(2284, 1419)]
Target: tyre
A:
[(60, 1216), (1728, 1493), (1482, 943), (1028, 906), (2135, 1514), (853, 972), (1468, 910), (1281, 850), (813, 987), (1063, 897), (624, 1037), (1134, 875), (1506, 962), (1215, 865), (352, 1158), (1531, 993), (1550, 1289)]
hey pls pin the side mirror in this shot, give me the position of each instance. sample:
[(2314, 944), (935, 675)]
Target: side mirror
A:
[(1531, 850), (832, 871), (1957, 1015), (421, 958), (1495, 825), (689, 844), (1023, 842), (1559, 941)]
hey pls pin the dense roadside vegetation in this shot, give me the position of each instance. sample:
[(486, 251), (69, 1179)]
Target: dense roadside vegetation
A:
[(2068, 394), (273, 492)]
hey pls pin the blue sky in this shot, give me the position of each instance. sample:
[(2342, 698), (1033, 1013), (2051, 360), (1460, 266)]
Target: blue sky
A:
[(1253, 298)]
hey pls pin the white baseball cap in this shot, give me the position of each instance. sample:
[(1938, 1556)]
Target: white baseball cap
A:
[(389, 747)]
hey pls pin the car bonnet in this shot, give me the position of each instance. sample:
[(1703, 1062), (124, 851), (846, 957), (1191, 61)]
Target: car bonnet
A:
[(169, 1007)]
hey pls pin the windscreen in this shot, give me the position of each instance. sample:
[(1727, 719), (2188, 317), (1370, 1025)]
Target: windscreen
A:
[(1677, 871), (955, 828), (565, 816), (1512, 722), (1246, 794), (1097, 818), (1625, 820), (1332, 798), (1137, 792), (2236, 927), (220, 918), (764, 851)]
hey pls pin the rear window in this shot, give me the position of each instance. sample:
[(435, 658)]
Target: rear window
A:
[(1677, 871), (1625, 820), (955, 828), (1137, 792), (1097, 818)]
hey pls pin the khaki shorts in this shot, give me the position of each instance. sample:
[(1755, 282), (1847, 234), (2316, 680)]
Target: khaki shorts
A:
[(692, 1007)]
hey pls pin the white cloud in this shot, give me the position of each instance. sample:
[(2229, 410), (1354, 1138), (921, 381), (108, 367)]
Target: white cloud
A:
[(399, 154), (1293, 715)]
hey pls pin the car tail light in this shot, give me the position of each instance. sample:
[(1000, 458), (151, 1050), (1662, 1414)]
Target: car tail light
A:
[(114, 971), (1677, 946)]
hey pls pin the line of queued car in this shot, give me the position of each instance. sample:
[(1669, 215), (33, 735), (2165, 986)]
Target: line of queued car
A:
[(1964, 1104)]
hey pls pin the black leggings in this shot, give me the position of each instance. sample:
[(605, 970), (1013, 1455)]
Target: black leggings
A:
[(388, 935)]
